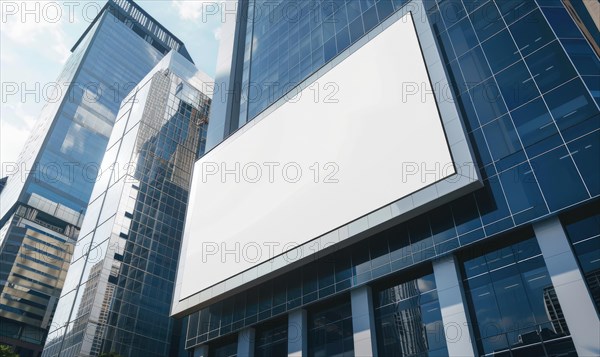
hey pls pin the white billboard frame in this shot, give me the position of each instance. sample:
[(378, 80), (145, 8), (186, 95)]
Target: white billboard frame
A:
[(463, 179)]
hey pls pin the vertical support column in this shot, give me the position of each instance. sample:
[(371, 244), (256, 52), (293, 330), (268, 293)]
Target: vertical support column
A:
[(201, 351), (569, 284), (457, 327), (297, 333), (363, 322), (246, 340)]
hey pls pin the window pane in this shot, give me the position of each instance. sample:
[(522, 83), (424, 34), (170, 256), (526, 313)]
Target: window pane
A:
[(487, 101), (516, 85), (586, 151), (536, 127), (462, 37), (550, 67), (501, 51), (558, 178), (570, 104), (585, 60), (531, 32), (474, 66), (486, 20)]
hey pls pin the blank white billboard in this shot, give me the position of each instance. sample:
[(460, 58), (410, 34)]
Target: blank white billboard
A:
[(347, 145)]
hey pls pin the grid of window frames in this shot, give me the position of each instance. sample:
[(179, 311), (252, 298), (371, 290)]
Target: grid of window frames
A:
[(36, 271), (136, 220), (535, 149), (286, 41), (521, 77), (512, 302), (166, 147), (272, 338), (330, 328), (583, 230), (408, 317), (226, 347)]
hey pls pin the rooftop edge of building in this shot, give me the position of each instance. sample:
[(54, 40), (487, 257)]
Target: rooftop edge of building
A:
[(142, 23), (182, 68)]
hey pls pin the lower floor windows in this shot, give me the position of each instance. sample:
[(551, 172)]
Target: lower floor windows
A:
[(408, 318), (226, 347), (513, 305), (583, 229), (271, 339), (330, 329)]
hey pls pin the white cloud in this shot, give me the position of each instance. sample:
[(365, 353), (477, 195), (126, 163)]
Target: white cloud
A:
[(37, 24), (7, 57), (16, 125), (217, 32), (32, 52), (36, 41), (191, 9)]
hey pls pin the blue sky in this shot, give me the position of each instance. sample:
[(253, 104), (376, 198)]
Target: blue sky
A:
[(35, 42)]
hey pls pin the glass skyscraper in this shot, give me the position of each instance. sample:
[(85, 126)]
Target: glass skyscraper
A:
[(508, 269), (43, 204), (118, 291)]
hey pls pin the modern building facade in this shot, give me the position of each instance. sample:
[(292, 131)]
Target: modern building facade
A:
[(43, 203), (37, 243), (118, 291), (505, 263)]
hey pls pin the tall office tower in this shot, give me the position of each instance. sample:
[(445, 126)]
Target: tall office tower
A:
[(363, 145), (117, 294), (42, 205)]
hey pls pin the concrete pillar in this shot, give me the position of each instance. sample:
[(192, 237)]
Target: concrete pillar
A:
[(201, 351), (297, 333), (573, 295), (455, 319), (246, 340), (363, 322)]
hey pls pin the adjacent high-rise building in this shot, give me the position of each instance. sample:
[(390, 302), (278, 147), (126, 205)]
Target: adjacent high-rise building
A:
[(3, 183), (398, 178), (117, 294), (43, 204)]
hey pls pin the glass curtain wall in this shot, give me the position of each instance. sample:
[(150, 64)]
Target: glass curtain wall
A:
[(512, 302), (408, 317)]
